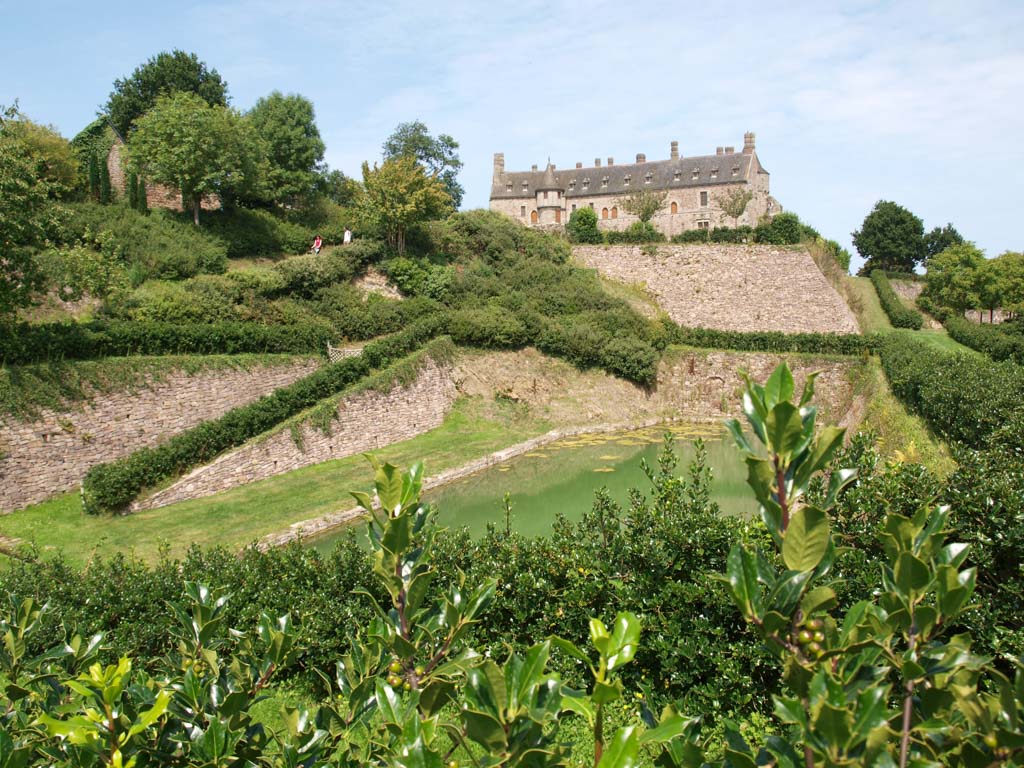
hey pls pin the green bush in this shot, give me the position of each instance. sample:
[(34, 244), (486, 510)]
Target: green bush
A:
[(112, 487), (151, 245), (24, 343), (987, 339), (582, 226), (781, 229), (245, 232), (774, 341), (490, 327), (900, 315), (742, 234), (637, 233), (692, 236), (358, 317)]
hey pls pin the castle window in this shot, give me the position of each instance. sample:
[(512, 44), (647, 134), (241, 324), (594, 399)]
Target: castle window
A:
[(586, 183), (696, 174), (703, 224), (675, 207), (625, 180), (591, 206), (508, 187), (522, 211), (648, 177), (615, 212), (525, 186), (677, 175), (714, 173), (545, 194), (572, 185), (604, 213), (533, 217), (604, 181), (703, 199), (574, 207), (558, 215)]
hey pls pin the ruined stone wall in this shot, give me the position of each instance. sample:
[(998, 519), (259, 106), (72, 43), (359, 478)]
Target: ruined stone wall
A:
[(157, 195), (365, 421), (730, 287), (52, 453)]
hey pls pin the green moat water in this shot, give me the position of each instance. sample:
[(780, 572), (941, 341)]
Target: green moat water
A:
[(562, 477)]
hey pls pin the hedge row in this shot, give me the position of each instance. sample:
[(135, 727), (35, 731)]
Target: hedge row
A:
[(24, 343), (775, 341), (965, 398), (900, 315), (988, 339), (112, 487)]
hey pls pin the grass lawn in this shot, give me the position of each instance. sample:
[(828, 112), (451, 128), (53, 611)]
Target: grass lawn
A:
[(939, 339), (242, 515), (865, 305)]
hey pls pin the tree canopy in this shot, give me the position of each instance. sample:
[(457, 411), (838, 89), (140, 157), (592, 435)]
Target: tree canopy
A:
[(891, 238), (941, 238), (438, 156), (582, 226), (164, 74), (644, 203), (51, 155), (734, 202), (398, 195), (185, 143), (957, 277), (294, 149)]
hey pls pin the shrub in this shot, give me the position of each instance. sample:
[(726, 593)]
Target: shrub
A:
[(692, 236), (112, 487), (782, 229), (637, 233), (742, 234), (248, 232), (582, 226), (774, 341), (489, 327), (900, 315), (987, 339)]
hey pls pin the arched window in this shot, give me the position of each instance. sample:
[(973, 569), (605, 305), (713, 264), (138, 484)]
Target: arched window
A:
[(533, 217), (675, 207), (604, 213), (615, 212)]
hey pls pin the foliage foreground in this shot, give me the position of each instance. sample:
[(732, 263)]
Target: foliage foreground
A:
[(879, 683)]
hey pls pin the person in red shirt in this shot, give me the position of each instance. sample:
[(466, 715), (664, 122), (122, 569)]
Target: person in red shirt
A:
[(317, 244)]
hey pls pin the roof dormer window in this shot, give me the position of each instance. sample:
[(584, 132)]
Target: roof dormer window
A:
[(677, 176), (696, 174), (526, 186), (626, 180), (572, 185), (735, 170), (648, 177), (604, 181), (586, 183), (508, 187), (714, 173)]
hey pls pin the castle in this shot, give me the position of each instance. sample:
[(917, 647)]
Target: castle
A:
[(693, 187)]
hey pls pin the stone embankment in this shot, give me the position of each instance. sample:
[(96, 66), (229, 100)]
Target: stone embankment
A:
[(729, 287), (52, 452)]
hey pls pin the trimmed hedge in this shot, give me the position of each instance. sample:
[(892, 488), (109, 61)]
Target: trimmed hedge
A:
[(24, 343), (112, 487), (966, 398), (987, 339), (775, 341), (900, 315)]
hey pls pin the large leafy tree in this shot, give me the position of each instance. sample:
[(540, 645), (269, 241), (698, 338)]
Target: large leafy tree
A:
[(23, 210), (1009, 271), (957, 277), (295, 151), (438, 155), (52, 157), (644, 203), (734, 202), (941, 238), (397, 196), (162, 75), (891, 238), (185, 143)]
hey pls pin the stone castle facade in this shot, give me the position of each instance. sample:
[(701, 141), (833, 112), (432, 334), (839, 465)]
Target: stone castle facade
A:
[(693, 187)]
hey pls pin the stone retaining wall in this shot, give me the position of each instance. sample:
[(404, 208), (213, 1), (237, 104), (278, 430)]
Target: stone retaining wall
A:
[(52, 453), (730, 287), (365, 421)]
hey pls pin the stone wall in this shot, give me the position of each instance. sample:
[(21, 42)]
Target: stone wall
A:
[(365, 421), (52, 453), (157, 195), (730, 287)]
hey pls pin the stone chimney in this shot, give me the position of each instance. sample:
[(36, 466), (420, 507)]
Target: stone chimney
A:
[(674, 153), (533, 167), (611, 161), (719, 150), (640, 158), (579, 165), (499, 163), (730, 150), (597, 162), (748, 143)]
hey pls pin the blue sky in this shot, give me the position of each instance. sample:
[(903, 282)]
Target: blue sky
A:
[(852, 102)]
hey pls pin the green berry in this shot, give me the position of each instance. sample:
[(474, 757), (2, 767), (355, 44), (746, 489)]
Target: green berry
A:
[(805, 637), (395, 667), (819, 636)]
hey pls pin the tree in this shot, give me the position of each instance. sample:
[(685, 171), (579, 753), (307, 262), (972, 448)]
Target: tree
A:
[(52, 157), (162, 75), (398, 195), (438, 156), (939, 239), (1009, 270), (734, 202), (954, 277), (24, 206), (337, 187), (582, 226), (287, 126), (183, 142), (644, 203), (891, 238)]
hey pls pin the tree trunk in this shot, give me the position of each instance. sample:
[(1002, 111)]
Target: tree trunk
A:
[(197, 202)]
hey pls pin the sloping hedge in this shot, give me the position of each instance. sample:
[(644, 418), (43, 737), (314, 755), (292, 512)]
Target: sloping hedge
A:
[(966, 398), (899, 314), (24, 343), (987, 339), (112, 487), (775, 341)]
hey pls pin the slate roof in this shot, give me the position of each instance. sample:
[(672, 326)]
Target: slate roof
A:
[(663, 176)]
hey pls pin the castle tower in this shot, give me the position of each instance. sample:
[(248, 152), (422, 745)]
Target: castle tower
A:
[(550, 198)]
